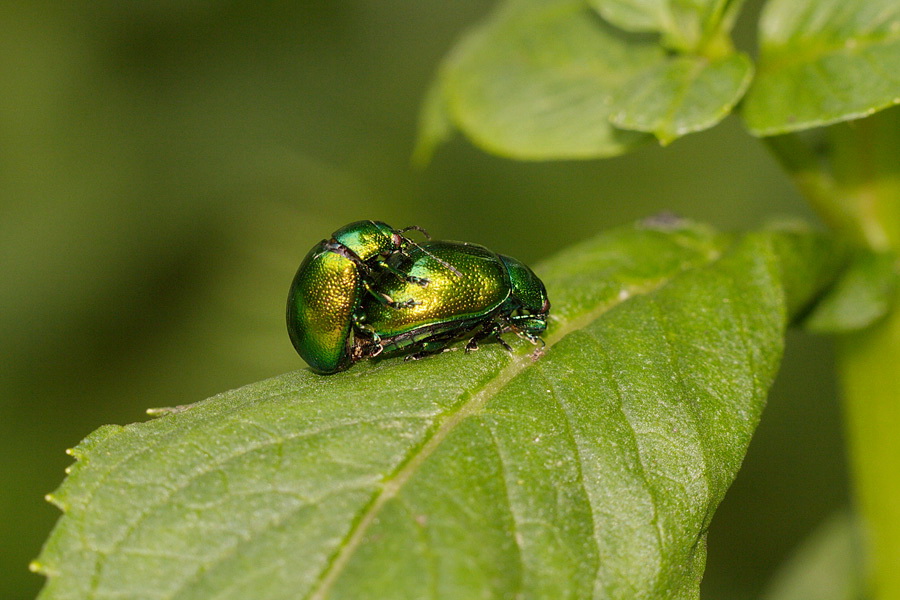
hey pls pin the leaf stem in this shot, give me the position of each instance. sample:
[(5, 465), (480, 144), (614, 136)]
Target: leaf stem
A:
[(852, 180), (815, 178)]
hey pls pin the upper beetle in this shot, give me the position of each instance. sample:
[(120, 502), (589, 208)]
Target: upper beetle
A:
[(324, 301), (485, 294)]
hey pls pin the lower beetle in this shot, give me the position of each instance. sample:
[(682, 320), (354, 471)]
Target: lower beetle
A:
[(493, 294), (328, 289)]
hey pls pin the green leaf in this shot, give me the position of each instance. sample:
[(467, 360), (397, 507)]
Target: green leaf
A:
[(681, 95), (862, 295), (435, 126), (827, 566), (635, 15), (824, 61), (684, 24), (591, 471), (535, 81)]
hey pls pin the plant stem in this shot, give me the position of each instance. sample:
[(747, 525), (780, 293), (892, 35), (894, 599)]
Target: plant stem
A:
[(869, 363), (866, 159), (853, 182), (848, 214)]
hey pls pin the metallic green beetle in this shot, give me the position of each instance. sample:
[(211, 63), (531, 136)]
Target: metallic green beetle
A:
[(493, 294), (327, 291)]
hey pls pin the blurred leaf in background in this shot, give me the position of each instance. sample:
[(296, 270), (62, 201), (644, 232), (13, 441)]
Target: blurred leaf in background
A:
[(826, 566), (165, 166)]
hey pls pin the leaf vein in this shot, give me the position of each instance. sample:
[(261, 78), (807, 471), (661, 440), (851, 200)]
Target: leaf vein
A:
[(152, 508), (515, 533)]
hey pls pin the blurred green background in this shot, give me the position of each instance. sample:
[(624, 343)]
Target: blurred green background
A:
[(165, 165)]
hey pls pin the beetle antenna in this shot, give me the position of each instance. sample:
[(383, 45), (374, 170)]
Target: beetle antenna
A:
[(428, 237), (417, 228), (440, 260)]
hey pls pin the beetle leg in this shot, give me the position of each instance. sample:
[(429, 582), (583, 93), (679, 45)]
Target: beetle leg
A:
[(473, 342), (519, 326), (370, 274), (433, 345), (534, 339), (387, 300), (342, 250), (367, 332), (422, 281), (367, 343), (404, 304), (491, 329), (429, 348), (500, 339)]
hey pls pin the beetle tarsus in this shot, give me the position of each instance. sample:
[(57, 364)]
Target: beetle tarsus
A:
[(405, 304), (502, 342)]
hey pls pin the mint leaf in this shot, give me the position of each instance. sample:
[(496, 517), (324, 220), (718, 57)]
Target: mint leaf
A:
[(591, 471), (536, 81), (684, 24), (824, 61), (682, 95), (862, 294)]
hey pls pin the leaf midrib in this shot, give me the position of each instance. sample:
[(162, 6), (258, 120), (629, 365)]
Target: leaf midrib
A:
[(468, 408)]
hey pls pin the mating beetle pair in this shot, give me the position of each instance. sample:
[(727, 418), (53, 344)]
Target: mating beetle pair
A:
[(370, 290)]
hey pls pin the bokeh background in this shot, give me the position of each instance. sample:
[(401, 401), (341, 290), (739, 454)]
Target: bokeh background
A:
[(166, 164)]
